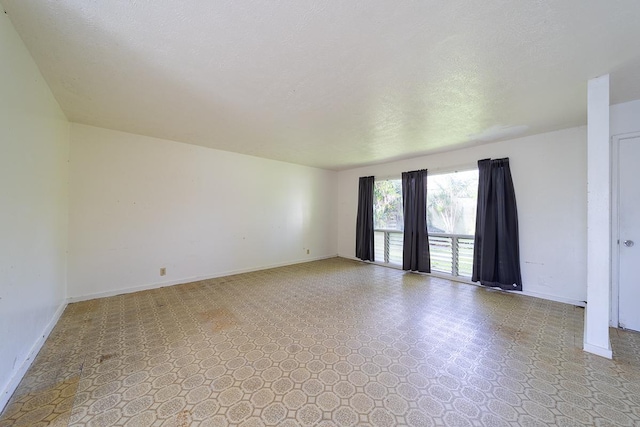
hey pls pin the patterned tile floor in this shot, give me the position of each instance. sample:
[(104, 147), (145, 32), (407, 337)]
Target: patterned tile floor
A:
[(327, 343)]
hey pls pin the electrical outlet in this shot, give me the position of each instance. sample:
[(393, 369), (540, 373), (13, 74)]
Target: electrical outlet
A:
[(307, 251), (163, 271)]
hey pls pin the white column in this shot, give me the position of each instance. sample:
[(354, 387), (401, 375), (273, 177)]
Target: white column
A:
[(596, 319)]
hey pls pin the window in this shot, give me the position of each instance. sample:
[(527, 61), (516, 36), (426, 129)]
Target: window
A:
[(388, 221), (388, 205), (451, 220)]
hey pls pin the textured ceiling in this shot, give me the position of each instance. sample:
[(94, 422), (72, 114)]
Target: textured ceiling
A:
[(331, 83)]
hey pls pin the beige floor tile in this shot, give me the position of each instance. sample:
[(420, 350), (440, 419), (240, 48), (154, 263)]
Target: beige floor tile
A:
[(327, 343)]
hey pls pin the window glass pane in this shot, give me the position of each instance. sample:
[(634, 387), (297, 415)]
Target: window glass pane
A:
[(451, 202), (465, 256), (387, 205), (378, 246), (395, 247), (441, 251), (451, 214)]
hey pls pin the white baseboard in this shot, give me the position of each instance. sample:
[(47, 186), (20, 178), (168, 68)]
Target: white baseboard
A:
[(597, 350), (469, 282), (17, 374), (138, 288), (552, 298)]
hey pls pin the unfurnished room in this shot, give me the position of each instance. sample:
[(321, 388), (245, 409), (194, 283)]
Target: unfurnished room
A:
[(319, 213)]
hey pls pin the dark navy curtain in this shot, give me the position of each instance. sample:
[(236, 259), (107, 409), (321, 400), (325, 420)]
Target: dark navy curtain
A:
[(496, 254), (364, 223), (415, 254)]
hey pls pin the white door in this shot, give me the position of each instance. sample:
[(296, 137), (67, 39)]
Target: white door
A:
[(629, 232)]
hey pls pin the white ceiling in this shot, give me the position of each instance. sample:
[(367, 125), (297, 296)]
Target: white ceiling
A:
[(331, 83)]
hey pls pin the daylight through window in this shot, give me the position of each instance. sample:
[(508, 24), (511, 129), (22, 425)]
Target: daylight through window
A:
[(451, 217)]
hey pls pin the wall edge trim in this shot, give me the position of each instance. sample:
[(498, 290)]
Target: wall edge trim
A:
[(547, 297), (597, 350), (18, 374), (157, 285)]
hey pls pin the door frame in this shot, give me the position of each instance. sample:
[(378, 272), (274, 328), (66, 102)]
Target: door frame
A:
[(615, 228)]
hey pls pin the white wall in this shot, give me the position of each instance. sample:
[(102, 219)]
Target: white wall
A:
[(138, 204), (34, 147), (625, 117), (596, 320), (549, 174)]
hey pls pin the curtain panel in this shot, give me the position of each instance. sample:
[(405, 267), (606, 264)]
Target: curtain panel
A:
[(364, 223), (496, 255), (415, 254)]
